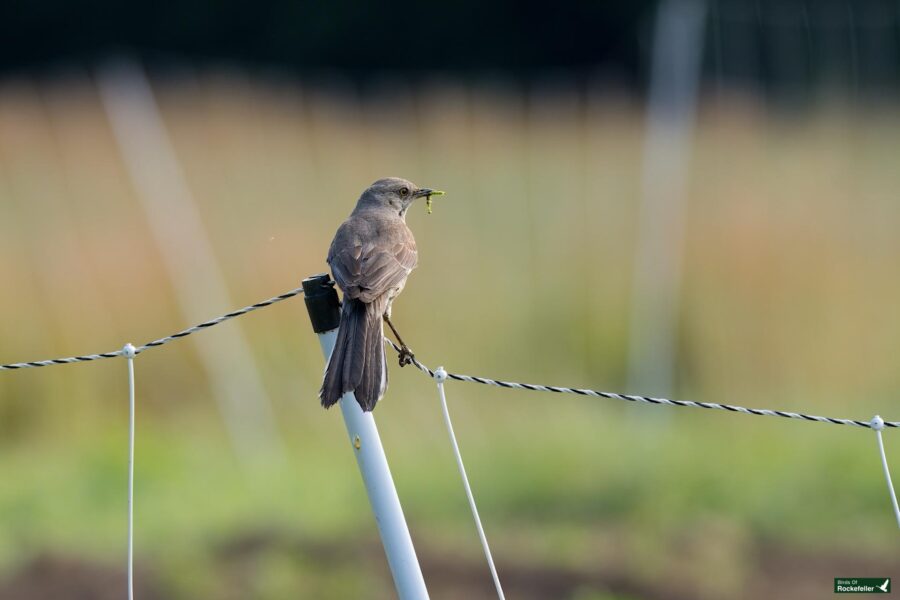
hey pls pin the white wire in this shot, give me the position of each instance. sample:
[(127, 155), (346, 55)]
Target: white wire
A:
[(440, 376), (878, 425), (129, 353)]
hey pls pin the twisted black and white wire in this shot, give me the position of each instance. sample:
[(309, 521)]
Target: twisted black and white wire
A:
[(647, 399), (160, 342)]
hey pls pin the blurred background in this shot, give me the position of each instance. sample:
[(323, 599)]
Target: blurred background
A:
[(688, 198)]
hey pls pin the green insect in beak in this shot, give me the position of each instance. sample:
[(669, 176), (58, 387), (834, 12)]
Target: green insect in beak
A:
[(428, 199)]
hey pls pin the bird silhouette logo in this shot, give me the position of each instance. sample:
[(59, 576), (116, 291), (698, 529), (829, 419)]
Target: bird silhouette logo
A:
[(884, 586)]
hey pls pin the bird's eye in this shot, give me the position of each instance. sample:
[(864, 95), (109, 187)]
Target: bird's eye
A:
[(404, 191)]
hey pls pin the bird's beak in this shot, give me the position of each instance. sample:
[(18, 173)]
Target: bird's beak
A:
[(427, 193)]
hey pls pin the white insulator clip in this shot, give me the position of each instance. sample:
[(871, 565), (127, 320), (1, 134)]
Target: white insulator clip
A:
[(440, 375), (129, 351)]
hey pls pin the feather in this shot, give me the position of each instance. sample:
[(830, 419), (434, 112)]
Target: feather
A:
[(357, 362)]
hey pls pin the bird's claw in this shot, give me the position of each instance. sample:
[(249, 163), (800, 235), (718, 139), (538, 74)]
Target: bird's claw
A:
[(406, 357)]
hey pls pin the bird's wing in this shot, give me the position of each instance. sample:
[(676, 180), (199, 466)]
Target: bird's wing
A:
[(366, 270)]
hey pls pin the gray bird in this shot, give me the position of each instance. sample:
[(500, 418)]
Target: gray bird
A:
[(372, 254)]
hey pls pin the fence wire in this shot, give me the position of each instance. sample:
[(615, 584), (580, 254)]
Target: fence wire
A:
[(877, 424), (762, 412), (159, 342)]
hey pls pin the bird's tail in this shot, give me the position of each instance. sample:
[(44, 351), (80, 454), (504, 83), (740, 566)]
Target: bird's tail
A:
[(357, 363)]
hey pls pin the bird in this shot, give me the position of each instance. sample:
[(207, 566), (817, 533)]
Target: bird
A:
[(371, 257)]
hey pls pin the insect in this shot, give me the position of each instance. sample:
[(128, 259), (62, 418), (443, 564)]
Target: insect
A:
[(428, 199)]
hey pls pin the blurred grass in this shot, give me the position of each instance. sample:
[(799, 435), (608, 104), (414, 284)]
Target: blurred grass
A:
[(789, 302)]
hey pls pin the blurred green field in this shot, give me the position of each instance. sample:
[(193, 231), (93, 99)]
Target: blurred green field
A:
[(789, 302)]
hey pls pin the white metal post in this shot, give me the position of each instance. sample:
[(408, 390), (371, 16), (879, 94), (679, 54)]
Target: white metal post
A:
[(321, 301), (198, 282), (675, 73)]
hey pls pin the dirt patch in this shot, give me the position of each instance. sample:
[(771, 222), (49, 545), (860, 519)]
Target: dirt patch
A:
[(67, 578), (777, 572)]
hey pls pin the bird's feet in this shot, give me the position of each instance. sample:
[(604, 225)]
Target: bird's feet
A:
[(406, 356)]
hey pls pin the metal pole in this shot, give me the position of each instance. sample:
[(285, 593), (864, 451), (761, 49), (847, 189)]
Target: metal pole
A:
[(675, 73), (188, 255), (324, 313)]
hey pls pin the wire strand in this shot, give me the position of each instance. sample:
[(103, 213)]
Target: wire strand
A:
[(878, 424), (129, 352), (158, 342), (646, 399), (440, 377)]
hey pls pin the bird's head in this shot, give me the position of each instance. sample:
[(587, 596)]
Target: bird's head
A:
[(395, 194)]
